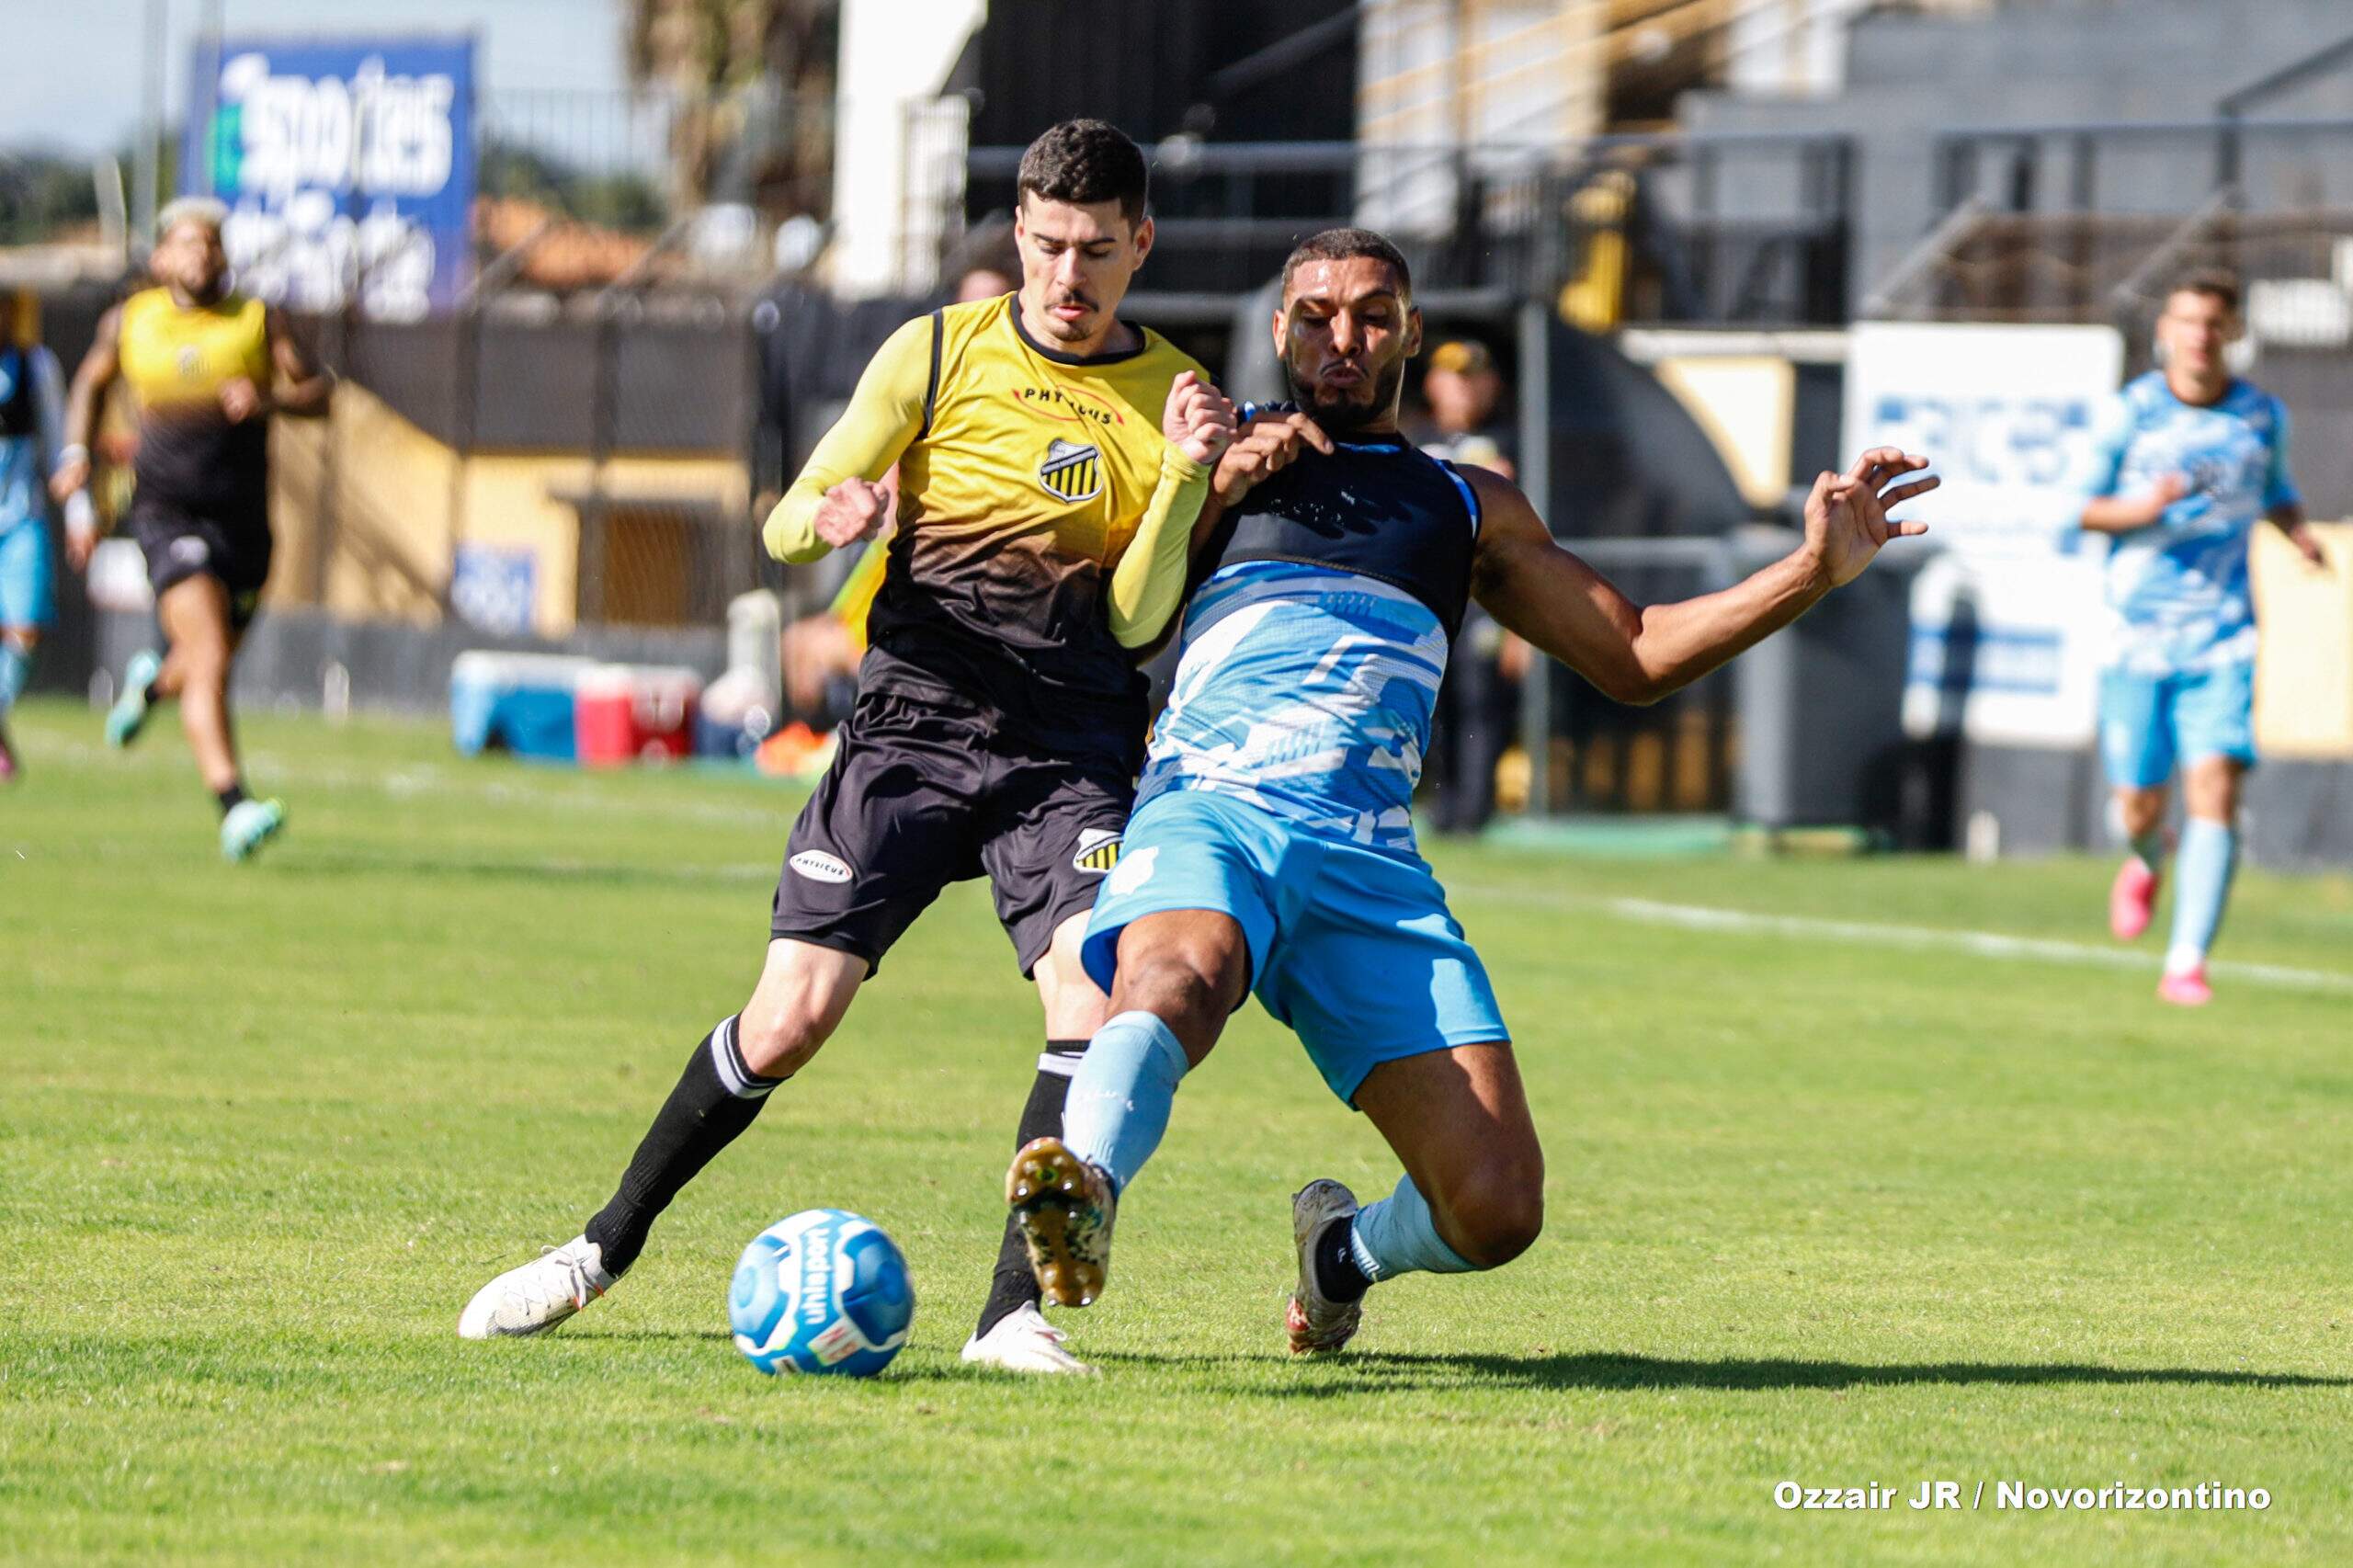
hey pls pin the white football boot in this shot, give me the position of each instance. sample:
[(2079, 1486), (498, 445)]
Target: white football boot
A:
[(1314, 1322), (537, 1296), (1023, 1341)]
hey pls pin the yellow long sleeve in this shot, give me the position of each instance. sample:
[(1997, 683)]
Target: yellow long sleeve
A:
[(883, 418), (1149, 582)]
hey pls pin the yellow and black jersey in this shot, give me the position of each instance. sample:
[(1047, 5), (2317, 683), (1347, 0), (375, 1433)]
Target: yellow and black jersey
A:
[(1024, 474), (176, 358)]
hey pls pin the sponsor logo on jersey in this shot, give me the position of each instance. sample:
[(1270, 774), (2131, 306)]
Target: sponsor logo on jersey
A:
[(1062, 403), (190, 362), (1072, 473), (189, 548), (819, 867), (1098, 850)]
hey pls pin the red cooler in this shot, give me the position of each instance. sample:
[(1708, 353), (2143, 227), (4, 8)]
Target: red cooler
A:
[(627, 712)]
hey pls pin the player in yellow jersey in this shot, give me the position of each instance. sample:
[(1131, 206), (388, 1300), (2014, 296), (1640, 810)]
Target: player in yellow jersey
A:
[(207, 368), (1052, 460)]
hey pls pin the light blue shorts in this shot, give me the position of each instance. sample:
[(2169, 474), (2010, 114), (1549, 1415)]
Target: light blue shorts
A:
[(26, 574), (2150, 724), (1352, 948)]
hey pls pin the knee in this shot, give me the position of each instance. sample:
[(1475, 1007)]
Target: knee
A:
[(2140, 811), (203, 669), (1499, 1211), (778, 1035), (1193, 982)]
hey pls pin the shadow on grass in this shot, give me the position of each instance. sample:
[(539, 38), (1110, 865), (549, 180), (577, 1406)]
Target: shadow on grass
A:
[(1392, 1371)]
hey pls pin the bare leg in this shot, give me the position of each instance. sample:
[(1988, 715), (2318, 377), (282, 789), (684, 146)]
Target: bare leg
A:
[(195, 614), (1458, 1119)]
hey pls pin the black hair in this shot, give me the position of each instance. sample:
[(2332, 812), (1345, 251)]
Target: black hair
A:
[(1341, 245), (1083, 162), (2212, 281)]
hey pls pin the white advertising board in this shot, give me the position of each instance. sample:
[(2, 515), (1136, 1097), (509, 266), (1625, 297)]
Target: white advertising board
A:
[(2005, 619)]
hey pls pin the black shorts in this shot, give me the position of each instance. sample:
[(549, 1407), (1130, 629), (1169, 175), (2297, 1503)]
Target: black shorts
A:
[(179, 545), (929, 788)]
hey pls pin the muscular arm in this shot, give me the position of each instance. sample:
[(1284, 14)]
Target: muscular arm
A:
[(1632, 652), (97, 371), (881, 421), (1639, 654), (302, 388)]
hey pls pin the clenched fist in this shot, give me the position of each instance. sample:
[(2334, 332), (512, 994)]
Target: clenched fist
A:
[(1199, 420), (851, 511)]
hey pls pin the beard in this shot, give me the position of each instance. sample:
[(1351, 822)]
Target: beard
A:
[(1341, 415)]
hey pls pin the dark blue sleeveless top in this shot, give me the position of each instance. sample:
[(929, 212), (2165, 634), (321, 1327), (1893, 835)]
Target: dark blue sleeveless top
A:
[(1380, 507)]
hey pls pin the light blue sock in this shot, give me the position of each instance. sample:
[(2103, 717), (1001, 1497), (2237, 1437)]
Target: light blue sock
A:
[(2202, 884), (16, 668), (1396, 1236), (1121, 1095)]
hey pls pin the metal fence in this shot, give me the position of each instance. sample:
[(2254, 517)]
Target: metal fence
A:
[(1740, 228)]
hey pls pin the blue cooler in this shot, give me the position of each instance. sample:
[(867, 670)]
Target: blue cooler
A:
[(520, 703)]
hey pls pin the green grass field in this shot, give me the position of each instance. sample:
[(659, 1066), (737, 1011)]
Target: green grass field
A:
[(1821, 1207)]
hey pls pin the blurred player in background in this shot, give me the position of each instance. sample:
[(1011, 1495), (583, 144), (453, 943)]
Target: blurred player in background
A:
[(206, 369), (1048, 454), (1272, 846), (1479, 703), (2189, 460), (32, 421)]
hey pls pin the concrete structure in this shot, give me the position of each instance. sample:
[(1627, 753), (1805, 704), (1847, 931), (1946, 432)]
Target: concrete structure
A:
[(1910, 77)]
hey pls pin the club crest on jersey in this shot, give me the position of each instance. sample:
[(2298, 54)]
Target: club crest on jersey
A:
[(1072, 473), (1099, 850)]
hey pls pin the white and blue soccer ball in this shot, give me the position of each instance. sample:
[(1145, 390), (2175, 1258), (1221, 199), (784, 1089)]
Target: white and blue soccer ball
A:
[(823, 1291)]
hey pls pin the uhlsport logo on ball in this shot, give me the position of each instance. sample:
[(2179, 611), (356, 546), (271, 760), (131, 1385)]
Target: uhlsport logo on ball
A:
[(824, 1291)]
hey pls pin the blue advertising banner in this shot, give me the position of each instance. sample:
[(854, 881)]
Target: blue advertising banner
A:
[(348, 165)]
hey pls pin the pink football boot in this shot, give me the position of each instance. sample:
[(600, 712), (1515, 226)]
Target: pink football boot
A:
[(2131, 898), (2188, 989)]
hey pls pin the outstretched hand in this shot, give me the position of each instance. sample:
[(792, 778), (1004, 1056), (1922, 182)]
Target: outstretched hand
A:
[(1845, 515)]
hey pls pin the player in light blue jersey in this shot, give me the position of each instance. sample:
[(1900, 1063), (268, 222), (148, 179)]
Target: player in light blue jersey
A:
[(2189, 461), (1272, 845), (32, 419)]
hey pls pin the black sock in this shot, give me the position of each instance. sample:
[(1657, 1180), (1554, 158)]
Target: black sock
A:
[(1336, 1274), (716, 1099), (1014, 1286), (231, 798)]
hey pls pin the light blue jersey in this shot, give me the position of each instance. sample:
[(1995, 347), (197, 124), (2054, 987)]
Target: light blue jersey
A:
[(32, 416), (2177, 591), (1306, 692)]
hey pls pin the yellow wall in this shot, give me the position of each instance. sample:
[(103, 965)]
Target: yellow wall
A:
[(1747, 405), (2304, 673), (403, 502)]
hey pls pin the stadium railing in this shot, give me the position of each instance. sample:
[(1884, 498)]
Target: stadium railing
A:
[(1735, 228)]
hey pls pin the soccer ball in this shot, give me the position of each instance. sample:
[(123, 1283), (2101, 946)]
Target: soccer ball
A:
[(823, 1291)]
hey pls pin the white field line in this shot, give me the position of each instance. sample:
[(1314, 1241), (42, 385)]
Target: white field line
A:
[(1979, 944), (578, 794), (562, 791)]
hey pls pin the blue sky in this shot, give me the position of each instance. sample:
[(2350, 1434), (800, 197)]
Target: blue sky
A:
[(75, 68)]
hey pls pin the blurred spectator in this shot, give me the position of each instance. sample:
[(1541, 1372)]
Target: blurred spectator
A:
[(1479, 703), (1465, 394)]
